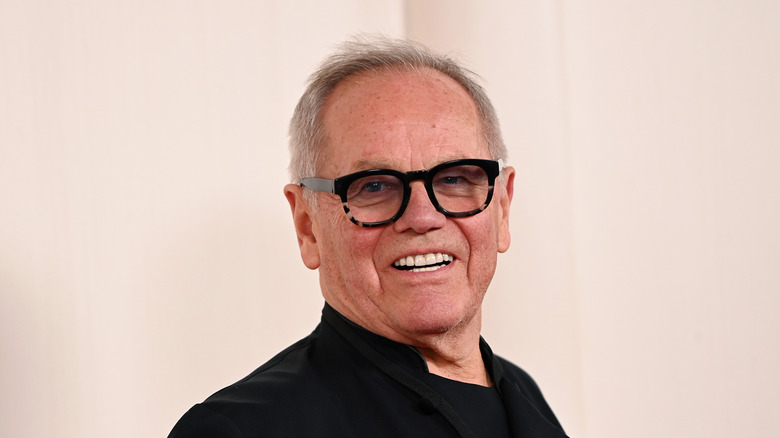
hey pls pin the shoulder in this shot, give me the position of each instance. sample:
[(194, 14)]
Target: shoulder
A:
[(273, 399), (202, 422), (519, 377), (525, 384)]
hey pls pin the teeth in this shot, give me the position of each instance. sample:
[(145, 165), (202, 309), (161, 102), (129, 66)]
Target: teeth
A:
[(425, 262)]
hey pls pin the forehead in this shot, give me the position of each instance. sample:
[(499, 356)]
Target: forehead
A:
[(404, 120)]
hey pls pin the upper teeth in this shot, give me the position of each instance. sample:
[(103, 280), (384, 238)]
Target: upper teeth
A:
[(424, 261)]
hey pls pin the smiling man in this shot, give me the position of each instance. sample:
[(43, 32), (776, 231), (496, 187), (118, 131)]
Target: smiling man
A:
[(401, 201)]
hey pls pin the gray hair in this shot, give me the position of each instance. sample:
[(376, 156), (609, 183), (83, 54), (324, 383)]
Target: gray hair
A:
[(308, 137)]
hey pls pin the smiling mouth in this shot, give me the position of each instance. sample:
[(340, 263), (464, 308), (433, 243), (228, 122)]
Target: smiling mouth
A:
[(423, 262)]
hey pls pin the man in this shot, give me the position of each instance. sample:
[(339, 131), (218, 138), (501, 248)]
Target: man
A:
[(401, 202)]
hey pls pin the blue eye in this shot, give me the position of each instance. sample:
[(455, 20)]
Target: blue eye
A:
[(374, 189), (450, 180), (374, 186)]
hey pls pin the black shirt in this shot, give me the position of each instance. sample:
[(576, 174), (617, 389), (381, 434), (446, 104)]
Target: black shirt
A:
[(343, 381)]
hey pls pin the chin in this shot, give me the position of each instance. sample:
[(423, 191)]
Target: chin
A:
[(434, 320)]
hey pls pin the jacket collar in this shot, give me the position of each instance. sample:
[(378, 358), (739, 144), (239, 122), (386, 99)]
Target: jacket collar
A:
[(525, 420)]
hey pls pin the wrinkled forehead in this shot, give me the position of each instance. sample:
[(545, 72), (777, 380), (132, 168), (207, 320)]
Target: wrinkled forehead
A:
[(403, 120), (378, 93)]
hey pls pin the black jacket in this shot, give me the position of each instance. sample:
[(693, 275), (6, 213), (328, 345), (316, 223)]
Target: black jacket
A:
[(343, 381)]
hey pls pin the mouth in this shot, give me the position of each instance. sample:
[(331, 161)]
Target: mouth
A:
[(423, 262)]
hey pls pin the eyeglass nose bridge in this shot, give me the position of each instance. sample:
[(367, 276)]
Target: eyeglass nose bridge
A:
[(417, 175)]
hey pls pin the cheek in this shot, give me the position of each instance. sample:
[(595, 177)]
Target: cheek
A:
[(483, 240), (350, 253)]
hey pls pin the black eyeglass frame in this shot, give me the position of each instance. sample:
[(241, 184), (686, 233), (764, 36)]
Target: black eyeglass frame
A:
[(340, 185)]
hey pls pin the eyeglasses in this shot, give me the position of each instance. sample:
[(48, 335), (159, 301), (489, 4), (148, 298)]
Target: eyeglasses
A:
[(372, 198)]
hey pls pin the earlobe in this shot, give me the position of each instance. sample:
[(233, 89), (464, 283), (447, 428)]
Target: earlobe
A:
[(505, 201), (304, 226)]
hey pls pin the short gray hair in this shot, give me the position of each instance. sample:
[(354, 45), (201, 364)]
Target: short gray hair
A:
[(308, 137)]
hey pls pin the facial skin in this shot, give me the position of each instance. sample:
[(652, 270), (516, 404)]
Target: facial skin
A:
[(404, 121)]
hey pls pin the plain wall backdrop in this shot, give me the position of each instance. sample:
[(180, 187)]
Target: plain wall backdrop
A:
[(147, 256)]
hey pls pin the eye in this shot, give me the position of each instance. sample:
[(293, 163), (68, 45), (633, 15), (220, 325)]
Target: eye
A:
[(375, 186), (451, 180), (460, 181), (374, 189), (461, 175)]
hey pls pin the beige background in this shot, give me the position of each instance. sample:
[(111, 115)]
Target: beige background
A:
[(147, 257)]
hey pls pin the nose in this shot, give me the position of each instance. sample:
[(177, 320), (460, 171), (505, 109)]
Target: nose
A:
[(420, 215)]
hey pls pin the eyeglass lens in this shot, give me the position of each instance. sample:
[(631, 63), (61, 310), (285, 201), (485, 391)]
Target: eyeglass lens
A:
[(457, 189)]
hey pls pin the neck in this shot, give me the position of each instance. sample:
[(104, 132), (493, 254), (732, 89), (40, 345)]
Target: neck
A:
[(453, 354), (462, 363)]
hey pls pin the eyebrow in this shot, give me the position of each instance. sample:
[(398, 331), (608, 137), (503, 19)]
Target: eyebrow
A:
[(366, 164)]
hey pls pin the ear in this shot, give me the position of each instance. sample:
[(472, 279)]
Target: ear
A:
[(506, 191), (304, 229)]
